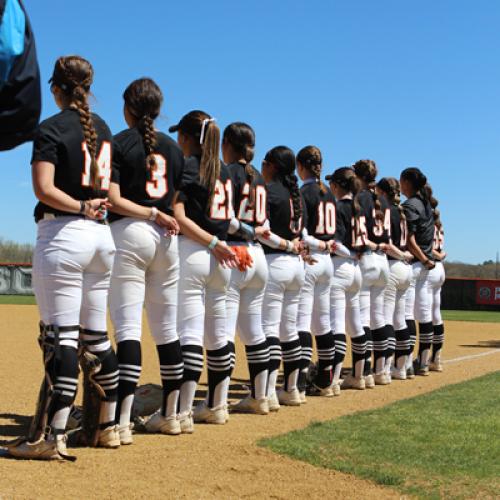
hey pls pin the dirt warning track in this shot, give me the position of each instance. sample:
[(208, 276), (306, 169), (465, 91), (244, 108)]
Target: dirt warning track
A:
[(216, 461)]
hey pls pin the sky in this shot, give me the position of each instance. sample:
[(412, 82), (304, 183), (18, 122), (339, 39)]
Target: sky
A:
[(403, 83)]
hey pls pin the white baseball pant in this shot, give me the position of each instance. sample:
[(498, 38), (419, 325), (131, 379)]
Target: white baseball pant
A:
[(394, 296), (436, 280)]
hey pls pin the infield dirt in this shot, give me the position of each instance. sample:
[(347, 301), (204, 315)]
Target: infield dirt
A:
[(216, 461)]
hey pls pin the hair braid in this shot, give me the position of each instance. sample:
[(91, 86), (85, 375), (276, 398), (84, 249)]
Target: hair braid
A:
[(291, 182), (311, 159), (79, 103), (147, 128)]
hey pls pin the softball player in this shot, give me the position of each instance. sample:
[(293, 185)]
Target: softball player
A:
[(147, 168), (374, 224), (246, 287), (399, 280), (314, 305), (420, 220), (437, 278), (286, 274), (71, 167), (346, 283), (203, 210)]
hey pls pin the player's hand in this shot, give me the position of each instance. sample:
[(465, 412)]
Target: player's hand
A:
[(97, 208), (331, 246), (244, 258), (408, 257), (168, 223), (296, 246), (262, 232), (225, 255), (429, 264), (384, 247)]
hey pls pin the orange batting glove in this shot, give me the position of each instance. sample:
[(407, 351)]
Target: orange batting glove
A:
[(244, 258)]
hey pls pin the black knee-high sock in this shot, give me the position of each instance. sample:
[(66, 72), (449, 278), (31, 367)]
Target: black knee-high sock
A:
[(232, 352), (63, 369), (379, 338), (391, 342), (412, 332), (291, 352), (369, 350), (274, 359), (128, 353), (340, 350), (258, 362), (325, 345), (219, 369), (171, 371), (193, 366), (305, 339), (97, 342), (437, 340), (425, 332), (402, 346), (358, 346)]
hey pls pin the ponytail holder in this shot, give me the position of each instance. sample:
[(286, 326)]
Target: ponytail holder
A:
[(204, 123)]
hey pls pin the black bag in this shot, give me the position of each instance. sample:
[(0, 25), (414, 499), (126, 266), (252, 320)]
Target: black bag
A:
[(20, 97)]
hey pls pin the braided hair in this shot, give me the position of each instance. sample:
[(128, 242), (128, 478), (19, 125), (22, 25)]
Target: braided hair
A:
[(367, 171), (242, 139), (284, 161), (143, 99), (311, 159), (418, 182), (390, 186), (74, 76)]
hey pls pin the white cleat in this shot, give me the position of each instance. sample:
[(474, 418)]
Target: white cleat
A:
[(251, 405), (303, 399), (273, 402), (336, 388), (52, 448), (398, 374), (216, 415), (289, 398), (186, 423), (125, 432), (381, 379), (352, 382), (157, 423), (435, 366), (369, 381), (109, 437)]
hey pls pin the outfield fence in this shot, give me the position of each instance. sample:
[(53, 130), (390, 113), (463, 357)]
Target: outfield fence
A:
[(15, 279), (458, 293)]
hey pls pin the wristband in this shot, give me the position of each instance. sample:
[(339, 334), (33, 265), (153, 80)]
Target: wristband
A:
[(214, 242), (289, 246), (154, 214)]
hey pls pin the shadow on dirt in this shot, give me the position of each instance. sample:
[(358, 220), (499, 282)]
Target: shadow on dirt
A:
[(19, 427)]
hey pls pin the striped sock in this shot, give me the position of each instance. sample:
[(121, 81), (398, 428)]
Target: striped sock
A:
[(305, 339), (426, 333), (128, 353), (340, 350), (437, 342), (369, 350), (402, 348), (358, 346), (171, 371), (274, 363), (325, 345), (291, 352), (193, 366), (219, 369), (258, 368)]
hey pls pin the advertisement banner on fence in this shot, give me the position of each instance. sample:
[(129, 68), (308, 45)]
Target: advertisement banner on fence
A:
[(488, 292), (15, 279)]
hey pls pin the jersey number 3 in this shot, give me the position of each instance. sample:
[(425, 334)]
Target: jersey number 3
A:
[(157, 187), (103, 165)]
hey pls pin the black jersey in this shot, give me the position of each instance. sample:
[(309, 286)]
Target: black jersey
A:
[(320, 209), (59, 140), (280, 210), (399, 230), (215, 220), (420, 222), (346, 224), (250, 199), (377, 231), (138, 183)]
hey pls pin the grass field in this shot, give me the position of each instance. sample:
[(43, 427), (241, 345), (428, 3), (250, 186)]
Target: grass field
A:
[(438, 445), (17, 299)]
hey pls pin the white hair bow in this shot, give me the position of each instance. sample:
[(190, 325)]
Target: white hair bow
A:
[(204, 123)]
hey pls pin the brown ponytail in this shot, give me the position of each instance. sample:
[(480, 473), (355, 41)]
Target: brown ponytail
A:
[(349, 182), (210, 161), (311, 159), (143, 99), (366, 171), (390, 186)]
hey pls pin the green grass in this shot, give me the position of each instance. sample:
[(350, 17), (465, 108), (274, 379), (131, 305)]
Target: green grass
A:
[(17, 299), (481, 316), (443, 444)]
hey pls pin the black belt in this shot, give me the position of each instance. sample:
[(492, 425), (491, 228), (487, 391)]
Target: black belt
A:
[(52, 216)]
